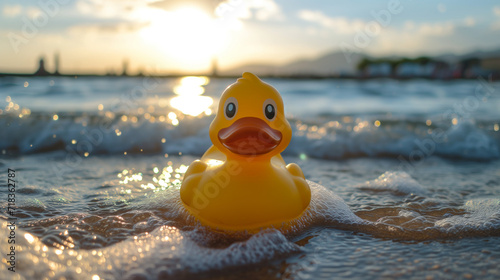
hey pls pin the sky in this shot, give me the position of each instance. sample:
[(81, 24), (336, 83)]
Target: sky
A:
[(174, 36)]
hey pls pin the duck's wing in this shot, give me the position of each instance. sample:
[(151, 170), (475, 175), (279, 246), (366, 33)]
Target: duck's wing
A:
[(213, 154), (278, 160)]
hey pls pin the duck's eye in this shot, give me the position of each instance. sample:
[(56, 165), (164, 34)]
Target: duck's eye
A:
[(230, 108), (270, 109)]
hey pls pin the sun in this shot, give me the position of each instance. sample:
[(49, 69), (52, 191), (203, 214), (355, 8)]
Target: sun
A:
[(188, 34)]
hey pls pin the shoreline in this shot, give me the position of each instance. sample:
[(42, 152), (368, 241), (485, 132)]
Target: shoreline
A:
[(285, 77)]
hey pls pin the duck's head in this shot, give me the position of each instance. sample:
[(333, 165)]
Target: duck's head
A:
[(250, 121)]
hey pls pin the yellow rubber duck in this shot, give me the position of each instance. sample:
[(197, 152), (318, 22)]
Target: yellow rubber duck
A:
[(242, 182)]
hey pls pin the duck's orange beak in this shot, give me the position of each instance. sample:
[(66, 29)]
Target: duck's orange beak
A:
[(250, 136)]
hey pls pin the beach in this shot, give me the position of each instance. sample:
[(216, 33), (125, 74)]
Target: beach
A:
[(405, 180)]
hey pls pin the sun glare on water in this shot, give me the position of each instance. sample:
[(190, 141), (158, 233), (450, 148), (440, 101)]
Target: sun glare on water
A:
[(189, 100), (188, 34)]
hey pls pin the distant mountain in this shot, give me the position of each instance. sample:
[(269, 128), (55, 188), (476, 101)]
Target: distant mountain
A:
[(335, 63), (452, 58)]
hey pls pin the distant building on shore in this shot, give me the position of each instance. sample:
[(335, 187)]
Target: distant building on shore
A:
[(125, 68), (492, 64), (215, 70), (41, 68), (56, 64), (424, 67), (42, 71)]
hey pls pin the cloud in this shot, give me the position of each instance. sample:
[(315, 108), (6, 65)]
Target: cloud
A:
[(496, 25), (17, 10), (265, 10), (110, 8), (441, 8), (432, 29), (33, 12), (431, 38), (12, 11), (262, 10), (469, 21), (110, 27), (496, 11), (169, 5), (339, 24), (436, 29)]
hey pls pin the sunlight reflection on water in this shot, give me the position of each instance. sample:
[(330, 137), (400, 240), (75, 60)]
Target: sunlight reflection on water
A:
[(189, 100)]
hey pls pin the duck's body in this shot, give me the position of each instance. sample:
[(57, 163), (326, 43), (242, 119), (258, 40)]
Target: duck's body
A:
[(238, 195), (242, 182)]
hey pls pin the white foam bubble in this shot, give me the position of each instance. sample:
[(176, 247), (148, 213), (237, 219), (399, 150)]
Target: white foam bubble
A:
[(325, 208), (328, 207), (481, 214), (397, 182), (166, 251)]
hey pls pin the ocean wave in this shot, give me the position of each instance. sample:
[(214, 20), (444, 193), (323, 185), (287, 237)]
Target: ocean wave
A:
[(167, 251), (409, 140)]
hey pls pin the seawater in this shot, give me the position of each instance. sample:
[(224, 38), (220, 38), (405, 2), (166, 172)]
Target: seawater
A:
[(405, 179)]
